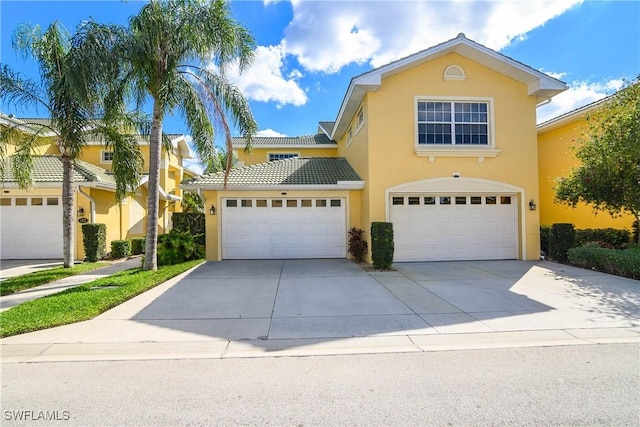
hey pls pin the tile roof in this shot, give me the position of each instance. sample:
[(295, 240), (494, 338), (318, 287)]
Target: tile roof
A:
[(327, 126), (577, 112), (50, 169), (287, 141), (306, 171)]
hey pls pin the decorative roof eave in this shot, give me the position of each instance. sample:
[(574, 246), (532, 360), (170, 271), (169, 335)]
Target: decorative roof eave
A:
[(11, 121), (341, 185), (268, 146), (570, 117), (180, 143), (540, 85)]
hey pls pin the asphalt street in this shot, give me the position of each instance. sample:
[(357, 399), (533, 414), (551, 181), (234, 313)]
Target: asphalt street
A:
[(587, 385)]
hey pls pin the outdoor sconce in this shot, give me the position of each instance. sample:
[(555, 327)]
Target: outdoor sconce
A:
[(80, 212), (532, 205), (212, 211)]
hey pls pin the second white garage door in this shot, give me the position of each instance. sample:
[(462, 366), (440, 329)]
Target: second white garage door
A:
[(255, 228), (31, 227), (447, 227)]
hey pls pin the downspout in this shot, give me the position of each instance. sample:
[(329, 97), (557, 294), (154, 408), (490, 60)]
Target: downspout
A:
[(92, 202), (545, 102)]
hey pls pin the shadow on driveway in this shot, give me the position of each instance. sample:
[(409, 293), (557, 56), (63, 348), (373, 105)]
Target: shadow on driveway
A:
[(326, 300)]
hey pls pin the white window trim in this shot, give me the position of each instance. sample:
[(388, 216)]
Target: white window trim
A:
[(432, 151), (289, 153), (359, 124), (349, 135), (102, 160)]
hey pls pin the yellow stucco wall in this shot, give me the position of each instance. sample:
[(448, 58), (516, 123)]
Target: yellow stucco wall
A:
[(556, 159), (390, 122), (261, 155)]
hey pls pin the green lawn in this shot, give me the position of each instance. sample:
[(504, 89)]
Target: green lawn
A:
[(26, 281), (86, 301)]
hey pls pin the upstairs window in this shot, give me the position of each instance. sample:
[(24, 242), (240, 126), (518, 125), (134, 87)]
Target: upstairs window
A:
[(453, 123), (281, 156), (106, 156), (359, 118)]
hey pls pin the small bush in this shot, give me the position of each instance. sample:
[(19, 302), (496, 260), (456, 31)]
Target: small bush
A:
[(94, 240), (606, 237), (614, 261), (120, 248), (138, 245), (545, 234), (194, 223), (635, 231), (561, 239), (382, 244), (177, 247), (358, 247)]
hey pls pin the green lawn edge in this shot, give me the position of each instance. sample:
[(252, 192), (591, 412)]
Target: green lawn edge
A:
[(86, 301), (30, 280)]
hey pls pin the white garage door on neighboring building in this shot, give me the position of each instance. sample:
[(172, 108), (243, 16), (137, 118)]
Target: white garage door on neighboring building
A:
[(283, 228), (31, 227), (447, 227)]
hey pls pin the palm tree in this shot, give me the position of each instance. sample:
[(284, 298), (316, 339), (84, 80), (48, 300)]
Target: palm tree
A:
[(176, 53), (68, 92)]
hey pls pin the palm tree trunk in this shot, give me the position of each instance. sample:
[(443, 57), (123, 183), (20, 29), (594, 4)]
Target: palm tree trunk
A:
[(155, 147), (67, 212)]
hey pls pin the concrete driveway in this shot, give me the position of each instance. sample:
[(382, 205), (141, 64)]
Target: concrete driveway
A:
[(301, 307)]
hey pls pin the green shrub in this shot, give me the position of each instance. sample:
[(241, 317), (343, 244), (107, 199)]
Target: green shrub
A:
[(635, 231), (561, 239), (358, 247), (138, 245), (545, 233), (120, 248), (382, 244), (606, 237), (94, 240), (194, 223), (177, 247), (614, 261)]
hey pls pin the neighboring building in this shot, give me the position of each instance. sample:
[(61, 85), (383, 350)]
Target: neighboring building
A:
[(31, 220), (442, 143), (556, 142)]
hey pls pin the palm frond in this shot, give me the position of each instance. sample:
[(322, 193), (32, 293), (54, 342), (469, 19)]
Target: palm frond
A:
[(18, 92)]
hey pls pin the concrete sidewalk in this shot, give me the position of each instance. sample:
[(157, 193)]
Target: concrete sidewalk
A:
[(271, 308), (11, 300)]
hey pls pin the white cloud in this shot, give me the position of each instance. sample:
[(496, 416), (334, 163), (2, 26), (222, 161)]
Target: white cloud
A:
[(269, 133), (579, 94), (193, 165), (326, 36), (263, 80)]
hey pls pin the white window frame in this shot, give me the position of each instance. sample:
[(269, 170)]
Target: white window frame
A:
[(432, 151), (290, 155), (102, 157), (359, 119), (349, 135)]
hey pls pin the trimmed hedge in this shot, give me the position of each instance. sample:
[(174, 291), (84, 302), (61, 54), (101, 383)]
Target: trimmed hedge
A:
[(120, 248), (610, 237), (138, 245), (613, 261), (94, 240), (545, 235), (382, 246), (194, 223), (561, 240)]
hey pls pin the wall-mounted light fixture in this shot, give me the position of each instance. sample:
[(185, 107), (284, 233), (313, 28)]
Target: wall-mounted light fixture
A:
[(80, 212), (212, 211), (532, 205)]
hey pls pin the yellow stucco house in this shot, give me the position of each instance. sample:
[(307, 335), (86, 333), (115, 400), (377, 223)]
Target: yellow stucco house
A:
[(31, 220), (556, 140), (442, 143)]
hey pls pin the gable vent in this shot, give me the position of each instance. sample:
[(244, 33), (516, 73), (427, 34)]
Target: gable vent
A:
[(454, 72)]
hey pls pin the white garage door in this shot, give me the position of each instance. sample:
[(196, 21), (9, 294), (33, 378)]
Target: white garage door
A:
[(454, 227), (31, 227), (255, 228)]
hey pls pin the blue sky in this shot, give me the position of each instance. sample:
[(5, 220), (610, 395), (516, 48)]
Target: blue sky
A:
[(309, 50)]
